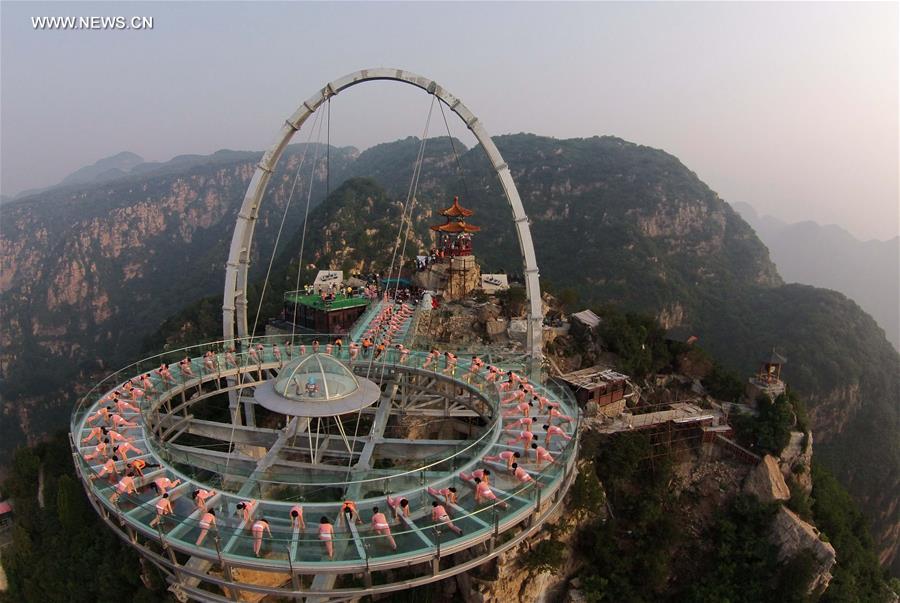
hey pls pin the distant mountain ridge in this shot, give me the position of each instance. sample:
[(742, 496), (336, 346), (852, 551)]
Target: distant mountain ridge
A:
[(105, 169), (828, 256), (128, 164), (98, 267)]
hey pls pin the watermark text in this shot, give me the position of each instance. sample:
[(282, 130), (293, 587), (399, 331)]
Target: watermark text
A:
[(92, 23)]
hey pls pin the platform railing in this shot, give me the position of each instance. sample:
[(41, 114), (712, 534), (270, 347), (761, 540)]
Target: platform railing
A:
[(286, 546), (245, 362), (236, 537)]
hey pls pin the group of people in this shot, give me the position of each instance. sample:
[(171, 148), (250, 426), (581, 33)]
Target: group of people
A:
[(521, 406), (383, 330), (444, 504), (110, 428)]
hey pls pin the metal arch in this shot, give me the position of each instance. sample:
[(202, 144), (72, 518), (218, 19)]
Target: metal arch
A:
[(234, 305)]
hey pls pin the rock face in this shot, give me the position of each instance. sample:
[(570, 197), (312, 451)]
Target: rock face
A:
[(495, 327), (796, 460), (453, 280), (513, 583), (766, 482), (792, 535), (91, 269)]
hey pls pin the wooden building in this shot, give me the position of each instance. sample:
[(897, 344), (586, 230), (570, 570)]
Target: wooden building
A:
[(584, 323), (313, 313), (605, 387)]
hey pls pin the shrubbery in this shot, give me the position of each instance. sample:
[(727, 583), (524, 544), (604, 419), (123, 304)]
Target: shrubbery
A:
[(769, 431), (64, 552)]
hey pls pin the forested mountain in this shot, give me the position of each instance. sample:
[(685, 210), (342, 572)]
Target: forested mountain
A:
[(829, 256), (97, 269)]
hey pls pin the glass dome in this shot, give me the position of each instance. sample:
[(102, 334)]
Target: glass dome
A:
[(316, 378)]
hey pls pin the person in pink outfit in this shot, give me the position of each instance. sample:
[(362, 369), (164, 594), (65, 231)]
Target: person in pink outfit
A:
[(326, 535), (120, 421), (450, 364), (109, 467), (484, 493), (542, 455), (297, 517), (448, 494), (517, 396), (523, 476), (439, 513), (525, 437), (124, 406), (201, 496), (123, 449), (163, 508), (522, 408), (96, 432), (523, 423), (124, 486), (276, 352), (555, 414), (185, 366), (99, 450), (554, 431), (381, 527), (164, 484), (507, 456), (207, 521), (480, 474), (545, 401), (102, 414), (259, 526), (147, 383), (399, 506), (431, 357), (245, 508)]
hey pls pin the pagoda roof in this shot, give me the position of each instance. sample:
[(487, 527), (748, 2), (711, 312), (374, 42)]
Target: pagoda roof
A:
[(456, 210), (455, 227)]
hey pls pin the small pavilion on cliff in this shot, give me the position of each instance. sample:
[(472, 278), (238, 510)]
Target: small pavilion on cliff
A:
[(455, 232), (452, 270), (767, 380)]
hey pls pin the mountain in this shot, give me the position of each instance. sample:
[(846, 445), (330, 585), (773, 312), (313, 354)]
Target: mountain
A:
[(99, 268), (90, 270), (866, 271), (105, 169), (127, 164)]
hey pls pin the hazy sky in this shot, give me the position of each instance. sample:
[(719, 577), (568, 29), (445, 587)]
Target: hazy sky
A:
[(792, 108)]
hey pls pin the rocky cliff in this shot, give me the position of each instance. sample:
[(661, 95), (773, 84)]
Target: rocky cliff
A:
[(94, 269), (90, 270)]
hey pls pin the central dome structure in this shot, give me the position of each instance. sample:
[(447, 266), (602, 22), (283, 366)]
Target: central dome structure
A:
[(317, 377), (317, 385)]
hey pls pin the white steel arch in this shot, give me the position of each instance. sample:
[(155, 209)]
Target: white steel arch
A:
[(234, 307)]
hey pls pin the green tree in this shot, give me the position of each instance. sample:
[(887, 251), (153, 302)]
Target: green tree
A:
[(774, 422), (857, 574)]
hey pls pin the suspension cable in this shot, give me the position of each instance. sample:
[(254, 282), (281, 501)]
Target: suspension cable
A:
[(413, 185), (328, 153), (240, 389), (462, 175), (303, 235), (406, 220), (281, 228)]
